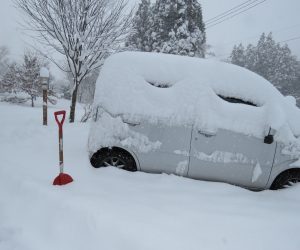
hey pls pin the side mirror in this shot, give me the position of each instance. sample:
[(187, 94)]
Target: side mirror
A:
[(269, 139)]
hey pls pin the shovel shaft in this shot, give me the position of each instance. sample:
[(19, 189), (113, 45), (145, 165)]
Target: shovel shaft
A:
[(60, 123), (61, 153)]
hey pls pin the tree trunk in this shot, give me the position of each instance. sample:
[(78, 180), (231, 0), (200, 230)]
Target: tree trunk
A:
[(73, 103), (32, 103)]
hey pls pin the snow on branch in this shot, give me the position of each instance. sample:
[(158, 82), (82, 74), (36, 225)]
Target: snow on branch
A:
[(84, 31)]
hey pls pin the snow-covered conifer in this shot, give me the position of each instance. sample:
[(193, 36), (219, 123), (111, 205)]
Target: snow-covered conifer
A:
[(9, 81), (140, 35), (251, 57), (179, 28), (237, 56), (29, 77), (269, 59), (4, 52)]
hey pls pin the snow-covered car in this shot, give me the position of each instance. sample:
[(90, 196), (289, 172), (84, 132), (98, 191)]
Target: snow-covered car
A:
[(197, 118)]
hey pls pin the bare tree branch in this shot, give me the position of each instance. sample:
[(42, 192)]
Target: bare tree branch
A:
[(84, 31)]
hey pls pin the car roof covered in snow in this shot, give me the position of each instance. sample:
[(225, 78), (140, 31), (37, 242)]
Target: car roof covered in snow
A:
[(187, 90)]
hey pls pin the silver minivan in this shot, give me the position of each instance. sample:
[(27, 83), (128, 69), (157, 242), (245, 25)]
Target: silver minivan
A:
[(221, 155)]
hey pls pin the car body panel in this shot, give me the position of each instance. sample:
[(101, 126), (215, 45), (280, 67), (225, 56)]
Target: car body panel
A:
[(173, 154), (231, 157), (282, 162), (223, 156)]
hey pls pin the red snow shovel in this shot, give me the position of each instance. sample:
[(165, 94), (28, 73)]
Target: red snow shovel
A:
[(62, 178)]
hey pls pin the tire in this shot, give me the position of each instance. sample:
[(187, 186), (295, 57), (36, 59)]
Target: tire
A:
[(286, 179), (114, 158)]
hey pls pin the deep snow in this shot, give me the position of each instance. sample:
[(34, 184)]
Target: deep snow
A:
[(112, 209)]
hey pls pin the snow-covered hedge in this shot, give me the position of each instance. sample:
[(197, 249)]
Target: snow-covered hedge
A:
[(20, 97)]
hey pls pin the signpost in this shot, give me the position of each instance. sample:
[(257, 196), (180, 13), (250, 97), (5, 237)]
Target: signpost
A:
[(44, 77)]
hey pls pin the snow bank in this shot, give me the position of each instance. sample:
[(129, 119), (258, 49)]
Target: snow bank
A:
[(113, 130), (183, 90), (20, 97)]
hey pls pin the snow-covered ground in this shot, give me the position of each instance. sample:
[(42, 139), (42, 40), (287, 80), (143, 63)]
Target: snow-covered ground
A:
[(111, 209)]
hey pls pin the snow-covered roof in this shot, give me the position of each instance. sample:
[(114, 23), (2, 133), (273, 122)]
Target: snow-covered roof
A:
[(180, 89)]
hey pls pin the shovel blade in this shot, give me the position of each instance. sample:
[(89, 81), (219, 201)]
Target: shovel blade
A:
[(62, 179)]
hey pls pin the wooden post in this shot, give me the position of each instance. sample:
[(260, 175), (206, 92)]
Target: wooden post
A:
[(44, 77), (45, 107)]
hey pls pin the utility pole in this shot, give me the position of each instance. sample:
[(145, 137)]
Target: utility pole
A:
[(44, 77)]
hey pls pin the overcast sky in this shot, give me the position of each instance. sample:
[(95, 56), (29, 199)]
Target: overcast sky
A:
[(282, 17)]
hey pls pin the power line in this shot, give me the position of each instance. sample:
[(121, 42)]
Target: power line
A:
[(291, 39), (210, 19), (235, 14), (230, 11)]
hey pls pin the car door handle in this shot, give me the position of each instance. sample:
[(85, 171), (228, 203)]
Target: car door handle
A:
[(206, 134)]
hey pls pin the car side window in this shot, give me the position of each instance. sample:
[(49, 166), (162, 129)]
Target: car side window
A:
[(236, 100)]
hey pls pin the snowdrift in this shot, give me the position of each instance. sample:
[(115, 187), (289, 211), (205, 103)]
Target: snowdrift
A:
[(183, 90)]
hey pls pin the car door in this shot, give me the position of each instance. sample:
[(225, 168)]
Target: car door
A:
[(230, 157), (172, 156)]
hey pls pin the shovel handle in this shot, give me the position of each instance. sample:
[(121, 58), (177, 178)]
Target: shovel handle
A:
[(60, 118), (57, 114)]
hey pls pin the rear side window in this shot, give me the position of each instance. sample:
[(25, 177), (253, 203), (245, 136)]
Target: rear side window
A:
[(160, 85), (236, 100)]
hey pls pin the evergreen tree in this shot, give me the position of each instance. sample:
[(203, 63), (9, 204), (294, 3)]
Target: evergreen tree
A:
[(268, 59), (4, 52), (288, 65), (164, 16), (250, 58), (293, 87), (140, 36), (29, 77), (238, 56), (179, 28), (196, 28), (9, 82), (170, 26), (266, 52)]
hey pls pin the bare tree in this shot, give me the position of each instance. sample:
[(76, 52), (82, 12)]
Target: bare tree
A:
[(84, 31)]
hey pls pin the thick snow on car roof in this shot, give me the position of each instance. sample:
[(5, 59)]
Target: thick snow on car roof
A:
[(184, 90)]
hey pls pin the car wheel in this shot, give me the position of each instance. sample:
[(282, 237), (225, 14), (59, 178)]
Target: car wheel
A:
[(286, 179), (114, 158)]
